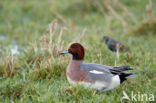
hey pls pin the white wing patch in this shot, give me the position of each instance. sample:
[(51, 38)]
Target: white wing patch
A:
[(96, 72)]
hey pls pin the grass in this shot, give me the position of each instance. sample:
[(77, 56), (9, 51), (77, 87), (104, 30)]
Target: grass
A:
[(37, 75)]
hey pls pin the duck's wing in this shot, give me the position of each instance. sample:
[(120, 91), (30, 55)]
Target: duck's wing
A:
[(104, 68), (97, 67), (98, 72)]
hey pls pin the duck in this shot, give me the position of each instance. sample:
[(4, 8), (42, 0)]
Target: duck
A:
[(92, 75), (113, 45)]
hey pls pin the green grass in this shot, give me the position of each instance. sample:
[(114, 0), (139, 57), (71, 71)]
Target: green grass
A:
[(40, 76)]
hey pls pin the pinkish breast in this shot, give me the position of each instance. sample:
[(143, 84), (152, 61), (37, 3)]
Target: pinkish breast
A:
[(74, 73)]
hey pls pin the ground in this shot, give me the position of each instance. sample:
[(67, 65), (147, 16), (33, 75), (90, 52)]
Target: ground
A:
[(31, 69)]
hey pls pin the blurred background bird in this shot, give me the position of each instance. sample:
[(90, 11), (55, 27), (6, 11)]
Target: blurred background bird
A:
[(115, 45)]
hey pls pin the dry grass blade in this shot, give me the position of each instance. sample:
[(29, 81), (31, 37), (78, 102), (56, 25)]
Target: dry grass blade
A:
[(129, 14), (52, 29), (149, 11), (60, 17), (51, 40), (81, 35), (43, 43), (117, 53), (52, 43), (59, 39), (9, 66), (148, 25), (110, 8), (101, 8)]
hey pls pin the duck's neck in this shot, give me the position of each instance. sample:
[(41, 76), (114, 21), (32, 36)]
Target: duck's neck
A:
[(74, 65), (76, 61)]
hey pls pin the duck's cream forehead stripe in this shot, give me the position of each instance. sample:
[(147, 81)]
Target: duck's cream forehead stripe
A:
[(96, 72), (71, 44)]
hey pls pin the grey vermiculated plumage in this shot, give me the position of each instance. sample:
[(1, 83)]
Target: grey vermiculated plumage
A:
[(108, 72), (113, 44)]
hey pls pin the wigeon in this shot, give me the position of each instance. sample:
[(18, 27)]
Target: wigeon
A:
[(93, 75), (113, 45)]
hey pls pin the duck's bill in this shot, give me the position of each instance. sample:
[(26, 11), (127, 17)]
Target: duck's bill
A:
[(64, 52)]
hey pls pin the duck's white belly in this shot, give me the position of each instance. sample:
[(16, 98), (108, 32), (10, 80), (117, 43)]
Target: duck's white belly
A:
[(114, 83), (98, 85)]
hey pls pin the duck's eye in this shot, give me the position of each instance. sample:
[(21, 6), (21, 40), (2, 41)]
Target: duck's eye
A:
[(73, 46)]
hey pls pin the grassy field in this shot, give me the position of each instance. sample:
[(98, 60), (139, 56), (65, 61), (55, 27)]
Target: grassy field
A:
[(33, 33)]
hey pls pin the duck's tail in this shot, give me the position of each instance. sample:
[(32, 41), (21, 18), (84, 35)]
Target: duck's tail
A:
[(124, 76), (123, 68)]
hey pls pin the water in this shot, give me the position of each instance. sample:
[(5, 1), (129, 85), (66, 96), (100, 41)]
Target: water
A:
[(14, 49), (2, 37)]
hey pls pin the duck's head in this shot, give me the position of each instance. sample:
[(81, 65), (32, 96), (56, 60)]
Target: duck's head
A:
[(76, 49)]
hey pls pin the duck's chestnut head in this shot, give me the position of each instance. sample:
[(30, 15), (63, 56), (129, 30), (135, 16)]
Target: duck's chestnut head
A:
[(77, 51)]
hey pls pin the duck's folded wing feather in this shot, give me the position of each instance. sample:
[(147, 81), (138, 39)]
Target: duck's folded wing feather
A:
[(110, 69), (97, 73), (97, 67)]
